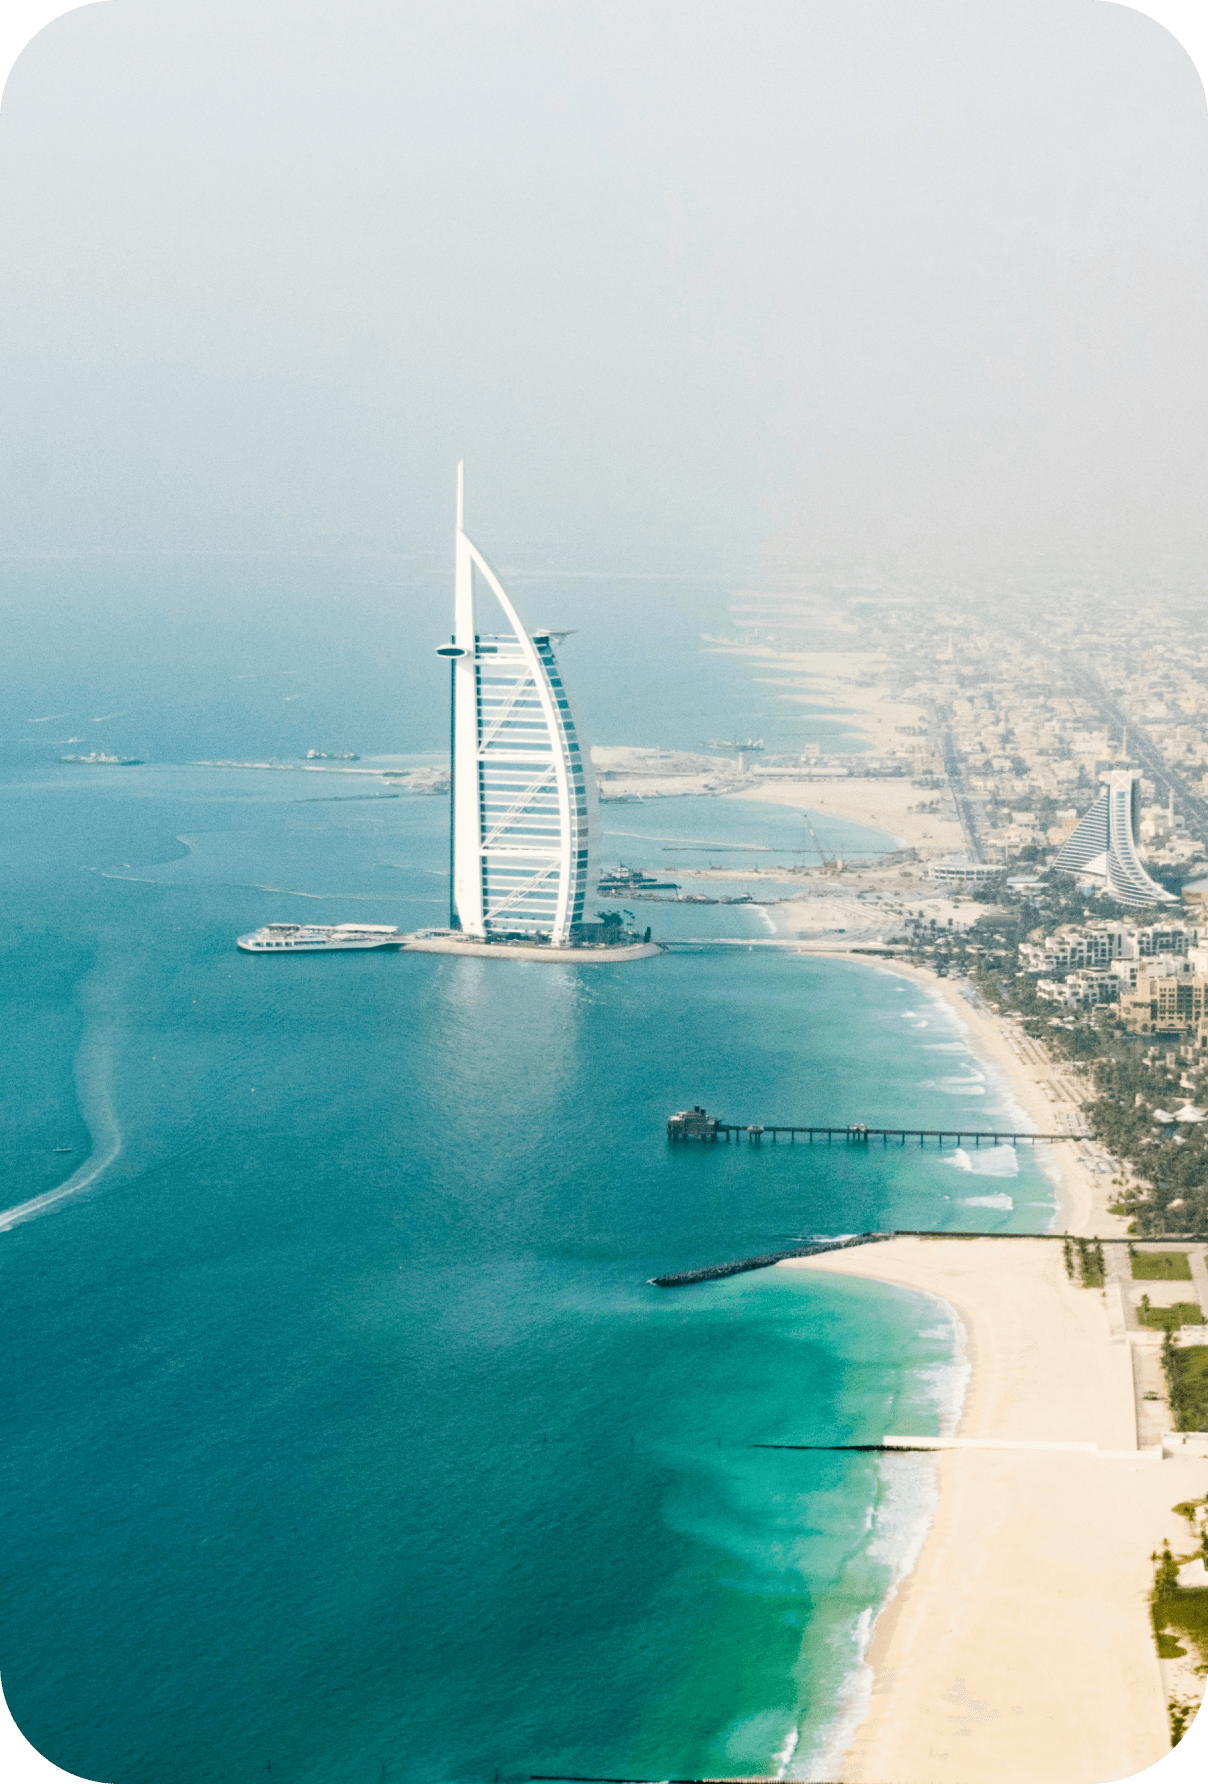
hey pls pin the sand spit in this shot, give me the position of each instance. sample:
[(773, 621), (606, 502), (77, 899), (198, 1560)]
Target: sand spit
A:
[(890, 804), (1020, 1647)]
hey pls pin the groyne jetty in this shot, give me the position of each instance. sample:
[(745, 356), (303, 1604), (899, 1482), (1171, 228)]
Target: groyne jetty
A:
[(712, 1272)]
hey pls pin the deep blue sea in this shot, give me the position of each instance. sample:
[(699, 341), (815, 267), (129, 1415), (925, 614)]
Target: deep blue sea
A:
[(346, 1434)]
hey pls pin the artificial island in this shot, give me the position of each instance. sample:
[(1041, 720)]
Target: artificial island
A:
[(524, 821), (524, 830)]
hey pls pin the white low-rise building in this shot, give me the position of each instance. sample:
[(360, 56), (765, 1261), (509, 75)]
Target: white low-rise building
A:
[(1080, 989), (1099, 944)]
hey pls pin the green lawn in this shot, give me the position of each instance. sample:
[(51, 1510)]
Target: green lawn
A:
[(1181, 1622), (1161, 1266), (1188, 1388), (1169, 1319)]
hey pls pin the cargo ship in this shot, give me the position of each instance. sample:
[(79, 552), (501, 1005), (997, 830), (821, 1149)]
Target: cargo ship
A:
[(318, 938)]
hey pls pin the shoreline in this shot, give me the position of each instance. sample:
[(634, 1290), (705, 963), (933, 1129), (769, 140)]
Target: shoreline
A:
[(444, 942), (1048, 1093), (1045, 1091), (890, 804), (1019, 1644)]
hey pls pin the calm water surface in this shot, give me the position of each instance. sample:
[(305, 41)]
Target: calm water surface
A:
[(345, 1429)]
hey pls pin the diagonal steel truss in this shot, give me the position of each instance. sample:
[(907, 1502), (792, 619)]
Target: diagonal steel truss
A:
[(539, 784), (520, 686), (523, 891)]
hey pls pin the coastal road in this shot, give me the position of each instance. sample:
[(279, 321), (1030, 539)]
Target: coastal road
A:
[(964, 801), (1142, 748)]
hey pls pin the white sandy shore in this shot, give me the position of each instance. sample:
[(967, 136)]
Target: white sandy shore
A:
[(1050, 1094), (854, 685), (857, 685), (1048, 1091), (890, 805), (1019, 1650)]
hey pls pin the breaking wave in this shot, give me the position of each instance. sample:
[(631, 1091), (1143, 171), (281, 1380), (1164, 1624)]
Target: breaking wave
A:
[(899, 1525), (985, 1161)]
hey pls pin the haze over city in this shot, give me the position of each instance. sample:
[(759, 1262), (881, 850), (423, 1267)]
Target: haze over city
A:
[(604, 892), (814, 286)]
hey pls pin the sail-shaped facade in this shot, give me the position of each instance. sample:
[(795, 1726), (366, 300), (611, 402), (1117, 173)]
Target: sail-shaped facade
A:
[(524, 823), (1103, 845)]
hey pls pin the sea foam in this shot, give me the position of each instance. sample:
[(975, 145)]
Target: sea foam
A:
[(901, 1519), (985, 1161)]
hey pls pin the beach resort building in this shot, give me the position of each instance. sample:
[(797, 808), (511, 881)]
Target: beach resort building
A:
[(1152, 970), (1166, 994), (1103, 845), (524, 822), (1075, 946), (1079, 989)]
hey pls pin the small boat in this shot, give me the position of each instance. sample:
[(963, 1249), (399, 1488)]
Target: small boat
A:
[(98, 759), (62, 1148)]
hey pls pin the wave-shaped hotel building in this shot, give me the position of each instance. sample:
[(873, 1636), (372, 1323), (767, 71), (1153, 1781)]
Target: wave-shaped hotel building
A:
[(524, 825), (1103, 845)]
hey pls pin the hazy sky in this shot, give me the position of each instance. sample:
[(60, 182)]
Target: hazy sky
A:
[(689, 285)]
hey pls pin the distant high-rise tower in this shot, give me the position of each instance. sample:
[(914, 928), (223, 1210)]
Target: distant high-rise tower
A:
[(524, 815), (1104, 845)]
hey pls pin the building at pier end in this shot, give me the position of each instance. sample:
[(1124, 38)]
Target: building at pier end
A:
[(1103, 846), (524, 824)]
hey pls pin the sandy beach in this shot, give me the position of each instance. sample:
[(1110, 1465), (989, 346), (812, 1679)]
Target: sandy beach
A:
[(1050, 1093), (850, 684), (913, 817), (1019, 1650), (857, 686), (891, 804)]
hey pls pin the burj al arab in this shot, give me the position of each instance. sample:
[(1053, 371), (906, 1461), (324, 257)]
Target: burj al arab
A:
[(524, 826)]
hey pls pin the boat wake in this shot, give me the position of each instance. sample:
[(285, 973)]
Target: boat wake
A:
[(94, 1093)]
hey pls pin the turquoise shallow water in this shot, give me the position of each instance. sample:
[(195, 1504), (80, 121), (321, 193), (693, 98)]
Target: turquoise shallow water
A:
[(346, 1430)]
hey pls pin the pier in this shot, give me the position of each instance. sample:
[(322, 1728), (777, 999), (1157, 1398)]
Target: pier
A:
[(696, 1124)]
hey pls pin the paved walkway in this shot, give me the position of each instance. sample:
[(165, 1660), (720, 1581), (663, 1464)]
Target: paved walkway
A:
[(1123, 1293), (1199, 1277)]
